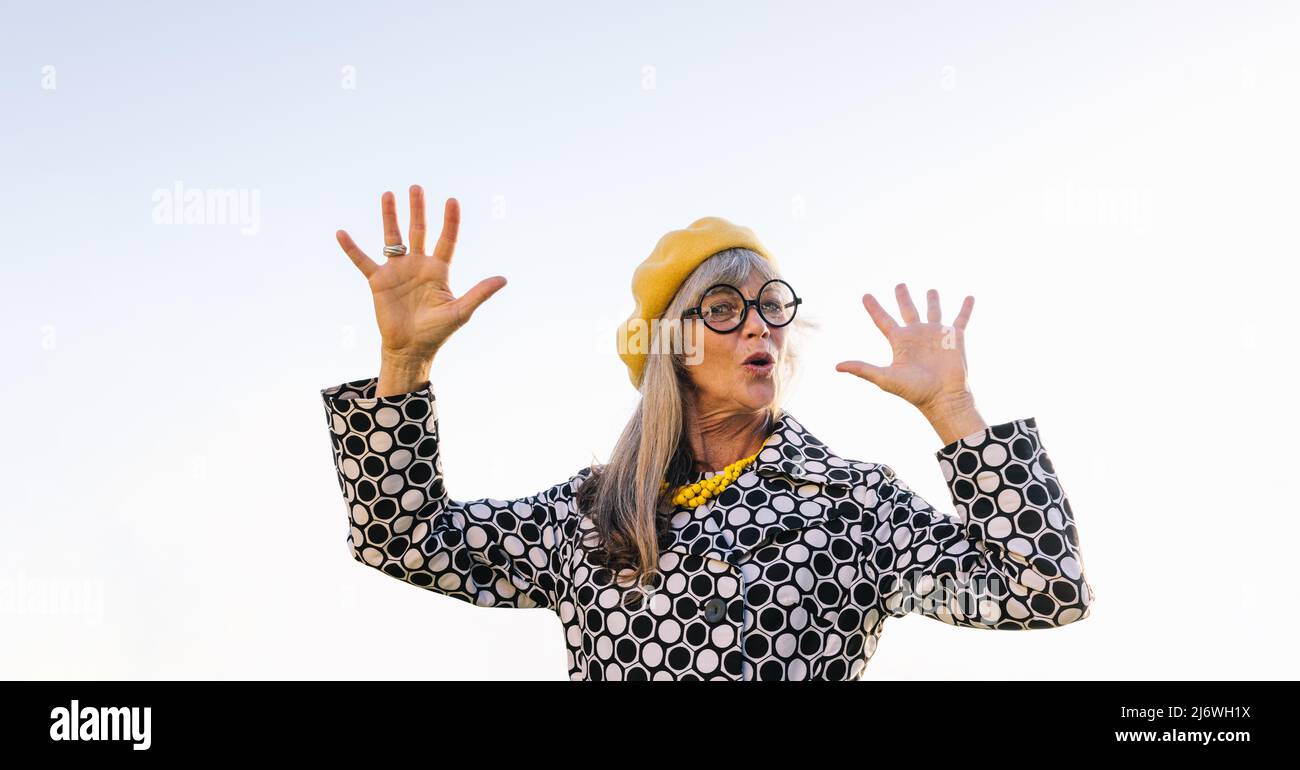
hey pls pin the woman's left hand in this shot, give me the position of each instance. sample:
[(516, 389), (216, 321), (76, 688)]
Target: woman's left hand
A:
[(929, 367)]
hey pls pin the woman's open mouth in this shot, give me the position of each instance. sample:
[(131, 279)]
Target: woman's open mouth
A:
[(759, 364)]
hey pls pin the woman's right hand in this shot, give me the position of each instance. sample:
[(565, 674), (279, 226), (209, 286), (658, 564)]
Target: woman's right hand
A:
[(414, 305)]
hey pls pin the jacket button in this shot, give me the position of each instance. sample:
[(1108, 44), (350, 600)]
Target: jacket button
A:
[(714, 610)]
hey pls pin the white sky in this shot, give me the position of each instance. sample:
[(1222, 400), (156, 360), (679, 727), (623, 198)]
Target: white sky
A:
[(1114, 184)]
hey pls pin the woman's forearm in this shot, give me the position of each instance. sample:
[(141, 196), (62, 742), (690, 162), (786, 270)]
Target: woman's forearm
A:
[(400, 374)]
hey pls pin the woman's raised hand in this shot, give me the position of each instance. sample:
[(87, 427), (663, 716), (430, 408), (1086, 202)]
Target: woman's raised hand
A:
[(414, 305), (929, 367)]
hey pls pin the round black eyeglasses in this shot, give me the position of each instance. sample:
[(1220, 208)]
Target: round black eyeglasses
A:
[(724, 309)]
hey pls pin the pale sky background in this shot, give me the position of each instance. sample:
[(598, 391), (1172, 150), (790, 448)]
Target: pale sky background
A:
[(1115, 183)]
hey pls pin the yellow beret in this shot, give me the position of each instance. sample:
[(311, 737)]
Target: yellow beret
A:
[(657, 279)]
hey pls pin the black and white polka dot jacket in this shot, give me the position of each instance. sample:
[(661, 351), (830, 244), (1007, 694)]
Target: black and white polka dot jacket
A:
[(790, 573)]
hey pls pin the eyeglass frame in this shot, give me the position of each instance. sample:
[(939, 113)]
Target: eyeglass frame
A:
[(745, 304)]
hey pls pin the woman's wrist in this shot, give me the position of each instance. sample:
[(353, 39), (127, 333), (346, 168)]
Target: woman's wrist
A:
[(954, 418), (400, 373)]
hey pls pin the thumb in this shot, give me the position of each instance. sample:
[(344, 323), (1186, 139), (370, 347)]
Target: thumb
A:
[(470, 300), (872, 374)]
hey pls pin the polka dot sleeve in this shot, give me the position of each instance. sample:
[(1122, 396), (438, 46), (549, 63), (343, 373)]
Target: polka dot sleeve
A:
[(1010, 557), (489, 552)]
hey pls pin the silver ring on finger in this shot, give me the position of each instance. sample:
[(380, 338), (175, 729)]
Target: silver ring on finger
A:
[(395, 251)]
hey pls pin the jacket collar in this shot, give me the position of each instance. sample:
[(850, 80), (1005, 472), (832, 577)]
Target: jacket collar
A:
[(791, 450), (791, 458)]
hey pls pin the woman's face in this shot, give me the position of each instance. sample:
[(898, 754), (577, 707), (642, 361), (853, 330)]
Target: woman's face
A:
[(722, 380)]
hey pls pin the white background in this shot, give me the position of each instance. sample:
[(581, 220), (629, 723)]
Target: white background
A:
[(1115, 183)]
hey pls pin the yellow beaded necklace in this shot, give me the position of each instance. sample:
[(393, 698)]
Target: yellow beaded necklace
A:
[(704, 490)]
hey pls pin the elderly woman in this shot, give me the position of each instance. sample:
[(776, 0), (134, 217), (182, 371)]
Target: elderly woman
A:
[(722, 540)]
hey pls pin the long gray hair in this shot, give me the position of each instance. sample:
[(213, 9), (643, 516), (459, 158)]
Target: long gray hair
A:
[(623, 496)]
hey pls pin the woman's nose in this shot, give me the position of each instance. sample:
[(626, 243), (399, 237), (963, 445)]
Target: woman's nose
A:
[(755, 324)]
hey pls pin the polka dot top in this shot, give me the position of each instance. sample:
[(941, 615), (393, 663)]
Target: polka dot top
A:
[(789, 574)]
